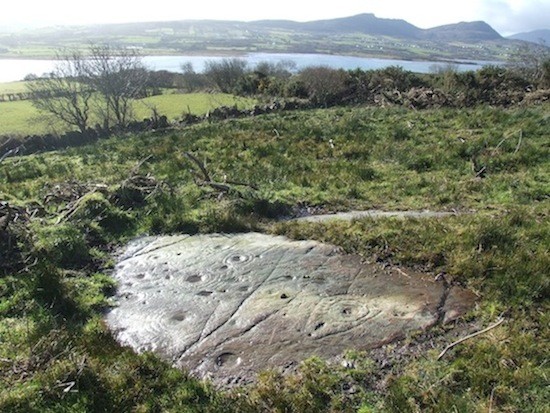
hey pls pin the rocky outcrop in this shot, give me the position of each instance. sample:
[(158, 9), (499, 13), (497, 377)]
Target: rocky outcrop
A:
[(228, 306)]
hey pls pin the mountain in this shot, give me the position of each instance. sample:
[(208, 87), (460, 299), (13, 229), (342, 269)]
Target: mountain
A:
[(369, 24), (536, 36), (366, 23), (363, 34), (463, 31)]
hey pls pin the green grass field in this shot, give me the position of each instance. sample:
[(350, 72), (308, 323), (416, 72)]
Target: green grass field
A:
[(13, 87), (21, 118), (56, 354), (174, 105)]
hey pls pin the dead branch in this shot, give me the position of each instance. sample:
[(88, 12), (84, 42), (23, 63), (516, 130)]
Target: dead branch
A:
[(519, 141), (70, 191), (6, 144), (478, 169), (11, 214), (70, 211), (200, 165), (206, 180), (252, 186), (135, 169), (495, 149), (477, 333), (9, 153), (400, 271), (481, 172)]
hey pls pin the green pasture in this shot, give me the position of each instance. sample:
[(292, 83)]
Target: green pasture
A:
[(13, 87), (174, 105), (22, 118)]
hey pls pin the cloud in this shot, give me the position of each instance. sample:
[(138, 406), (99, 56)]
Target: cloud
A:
[(514, 16), (426, 13)]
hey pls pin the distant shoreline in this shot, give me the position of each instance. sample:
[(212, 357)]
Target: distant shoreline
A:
[(234, 53), (15, 69)]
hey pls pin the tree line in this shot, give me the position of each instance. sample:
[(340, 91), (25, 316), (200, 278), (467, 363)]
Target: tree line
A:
[(106, 80), (324, 86)]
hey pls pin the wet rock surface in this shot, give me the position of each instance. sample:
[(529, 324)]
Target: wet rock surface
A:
[(228, 306)]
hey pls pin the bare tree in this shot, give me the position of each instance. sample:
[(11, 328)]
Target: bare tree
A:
[(530, 60), (64, 93), (281, 70), (109, 77), (119, 76), (325, 86), (226, 73), (191, 80)]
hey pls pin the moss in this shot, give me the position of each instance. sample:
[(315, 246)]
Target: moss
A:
[(95, 207), (63, 245)]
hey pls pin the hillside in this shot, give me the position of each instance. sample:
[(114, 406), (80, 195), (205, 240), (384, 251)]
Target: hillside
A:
[(536, 36), (369, 24), (463, 31), (362, 35), (443, 180), (363, 23), (62, 212)]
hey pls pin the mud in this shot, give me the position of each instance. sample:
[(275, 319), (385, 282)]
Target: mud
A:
[(227, 306)]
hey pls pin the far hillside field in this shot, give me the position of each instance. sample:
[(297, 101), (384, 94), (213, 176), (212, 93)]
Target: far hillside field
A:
[(21, 118)]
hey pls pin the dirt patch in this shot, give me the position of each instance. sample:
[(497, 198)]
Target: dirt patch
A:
[(227, 306)]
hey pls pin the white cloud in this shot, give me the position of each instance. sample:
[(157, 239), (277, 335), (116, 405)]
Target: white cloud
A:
[(514, 16), (426, 13)]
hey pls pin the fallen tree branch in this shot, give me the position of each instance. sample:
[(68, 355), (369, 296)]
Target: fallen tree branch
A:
[(477, 333), (519, 141), (201, 166), (400, 271), (6, 144), (135, 169), (71, 210), (10, 152), (206, 180), (481, 172), (255, 187), (495, 149)]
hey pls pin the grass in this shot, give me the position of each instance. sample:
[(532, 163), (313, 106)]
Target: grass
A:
[(13, 87), (174, 105), (21, 118), (56, 354)]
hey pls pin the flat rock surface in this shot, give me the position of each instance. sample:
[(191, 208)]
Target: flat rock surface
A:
[(227, 306), (374, 213)]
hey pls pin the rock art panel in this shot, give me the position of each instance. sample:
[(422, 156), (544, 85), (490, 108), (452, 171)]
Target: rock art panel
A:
[(228, 306)]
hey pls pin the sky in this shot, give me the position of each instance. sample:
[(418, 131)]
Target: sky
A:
[(505, 16)]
